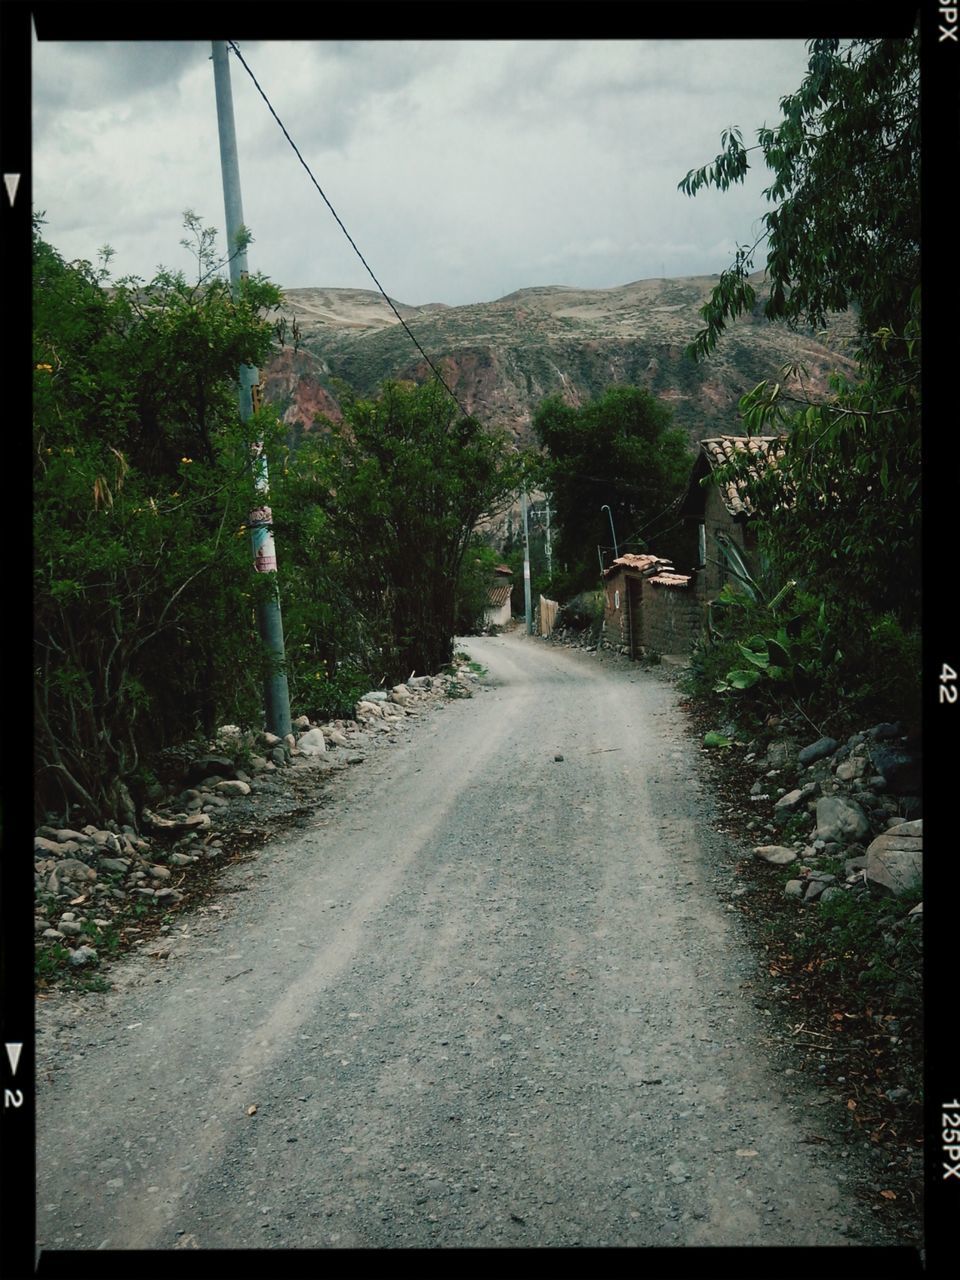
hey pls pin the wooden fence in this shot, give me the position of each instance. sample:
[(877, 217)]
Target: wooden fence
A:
[(546, 615)]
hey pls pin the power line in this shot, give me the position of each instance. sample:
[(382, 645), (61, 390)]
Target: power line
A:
[(340, 224)]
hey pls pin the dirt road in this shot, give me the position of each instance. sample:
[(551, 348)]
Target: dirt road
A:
[(489, 997)]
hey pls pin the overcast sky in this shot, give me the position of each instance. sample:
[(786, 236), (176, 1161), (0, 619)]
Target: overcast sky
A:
[(463, 170)]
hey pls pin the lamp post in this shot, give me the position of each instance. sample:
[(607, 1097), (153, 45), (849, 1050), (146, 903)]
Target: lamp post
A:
[(616, 553)]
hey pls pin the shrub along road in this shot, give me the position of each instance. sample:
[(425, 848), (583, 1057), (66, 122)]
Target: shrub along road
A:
[(489, 997)]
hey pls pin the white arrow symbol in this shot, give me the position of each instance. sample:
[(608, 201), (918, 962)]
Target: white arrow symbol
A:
[(13, 1053), (11, 181)]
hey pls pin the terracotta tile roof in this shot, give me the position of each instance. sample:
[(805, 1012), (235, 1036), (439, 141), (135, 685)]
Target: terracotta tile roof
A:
[(498, 595), (764, 450), (642, 564), (671, 579), (503, 569)]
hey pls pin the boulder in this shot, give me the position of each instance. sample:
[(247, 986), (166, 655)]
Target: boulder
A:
[(787, 806), (776, 854), (210, 766), (818, 750), (312, 743), (840, 819), (850, 770), (72, 869), (895, 859), (232, 787), (901, 769)]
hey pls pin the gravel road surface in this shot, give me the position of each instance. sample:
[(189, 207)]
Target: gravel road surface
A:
[(486, 997)]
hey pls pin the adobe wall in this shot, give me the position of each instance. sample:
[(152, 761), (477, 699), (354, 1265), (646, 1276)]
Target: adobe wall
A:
[(672, 617), (615, 622)]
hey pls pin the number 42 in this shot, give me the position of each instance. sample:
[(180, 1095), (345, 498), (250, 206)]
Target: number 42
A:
[(948, 689)]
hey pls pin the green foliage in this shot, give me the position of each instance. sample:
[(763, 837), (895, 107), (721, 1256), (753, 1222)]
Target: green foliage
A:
[(620, 451), (387, 501), (143, 588), (332, 694), (845, 227), (840, 512), (473, 587), (801, 654), (584, 612), (850, 937)]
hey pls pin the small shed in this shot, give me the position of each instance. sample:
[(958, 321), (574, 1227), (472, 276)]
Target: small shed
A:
[(623, 603), (499, 609), (723, 511)]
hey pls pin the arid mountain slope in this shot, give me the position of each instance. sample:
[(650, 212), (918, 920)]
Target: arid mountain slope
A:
[(502, 358)]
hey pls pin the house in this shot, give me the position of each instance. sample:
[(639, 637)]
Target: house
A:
[(648, 607), (721, 513), (499, 607), (651, 608)]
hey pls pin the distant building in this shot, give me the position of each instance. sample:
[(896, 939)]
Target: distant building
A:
[(651, 608), (722, 512), (499, 608)]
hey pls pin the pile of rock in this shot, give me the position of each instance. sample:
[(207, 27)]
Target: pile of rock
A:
[(863, 800), (85, 878)]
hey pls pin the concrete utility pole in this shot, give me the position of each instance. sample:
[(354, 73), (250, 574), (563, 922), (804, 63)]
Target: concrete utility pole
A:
[(549, 548), (544, 511), (276, 695), (527, 605)]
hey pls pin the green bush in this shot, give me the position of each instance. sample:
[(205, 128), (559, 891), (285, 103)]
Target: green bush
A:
[(143, 587), (805, 656)]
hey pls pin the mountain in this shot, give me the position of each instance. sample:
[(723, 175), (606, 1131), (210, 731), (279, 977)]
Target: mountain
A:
[(502, 358)]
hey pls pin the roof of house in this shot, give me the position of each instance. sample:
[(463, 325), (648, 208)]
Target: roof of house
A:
[(503, 569), (719, 450), (499, 595), (671, 579), (641, 564)]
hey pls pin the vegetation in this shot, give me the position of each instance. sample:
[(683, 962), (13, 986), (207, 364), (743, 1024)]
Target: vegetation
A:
[(142, 576), (619, 451), (144, 589), (381, 509), (841, 513)]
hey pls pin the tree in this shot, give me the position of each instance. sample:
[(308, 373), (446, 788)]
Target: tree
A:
[(395, 491), (620, 451), (841, 512), (141, 483), (845, 226)]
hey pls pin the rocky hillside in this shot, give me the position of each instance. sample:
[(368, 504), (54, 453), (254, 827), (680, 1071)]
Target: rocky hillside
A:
[(502, 358)]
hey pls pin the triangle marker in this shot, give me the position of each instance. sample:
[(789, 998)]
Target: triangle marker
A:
[(13, 1053), (11, 181)]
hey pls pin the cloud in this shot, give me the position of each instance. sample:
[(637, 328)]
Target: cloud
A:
[(462, 169)]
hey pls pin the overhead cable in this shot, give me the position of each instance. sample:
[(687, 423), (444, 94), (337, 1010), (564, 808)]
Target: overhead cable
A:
[(339, 221)]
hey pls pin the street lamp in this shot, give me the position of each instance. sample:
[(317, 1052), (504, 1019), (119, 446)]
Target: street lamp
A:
[(616, 553)]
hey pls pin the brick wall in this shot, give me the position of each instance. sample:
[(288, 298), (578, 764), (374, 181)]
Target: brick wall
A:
[(615, 630), (672, 617)]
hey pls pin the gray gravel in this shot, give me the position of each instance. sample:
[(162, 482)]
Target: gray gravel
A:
[(488, 997)]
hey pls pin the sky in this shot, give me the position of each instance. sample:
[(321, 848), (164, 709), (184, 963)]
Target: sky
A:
[(463, 170)]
